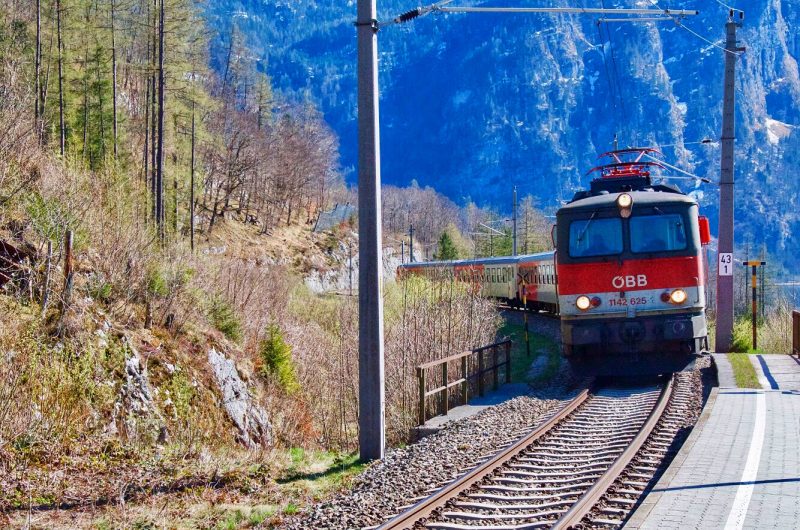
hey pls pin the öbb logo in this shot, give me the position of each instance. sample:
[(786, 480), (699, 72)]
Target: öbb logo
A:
[(640, 280)]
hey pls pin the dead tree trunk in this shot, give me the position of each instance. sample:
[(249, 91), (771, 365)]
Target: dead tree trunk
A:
[(160, 146), (62, 130), (153, 122), (114, 78), (191, 187), (44, 89), (37, 66)]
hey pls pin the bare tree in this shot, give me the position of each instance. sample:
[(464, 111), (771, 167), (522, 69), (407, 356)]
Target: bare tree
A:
[(114, 75), (62, 128)]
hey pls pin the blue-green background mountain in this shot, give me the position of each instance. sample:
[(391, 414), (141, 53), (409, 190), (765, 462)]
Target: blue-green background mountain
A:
[(473, 104)]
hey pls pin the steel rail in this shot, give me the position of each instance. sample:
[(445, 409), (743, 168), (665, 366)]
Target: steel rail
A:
[(427, 506), (580, 509)]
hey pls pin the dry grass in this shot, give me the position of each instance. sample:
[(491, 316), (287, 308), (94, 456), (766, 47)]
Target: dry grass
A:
[(774, 331), (232, 490)]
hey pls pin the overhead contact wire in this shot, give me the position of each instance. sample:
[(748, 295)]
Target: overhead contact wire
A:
[(611, 89), (616, 77), (690, 30)]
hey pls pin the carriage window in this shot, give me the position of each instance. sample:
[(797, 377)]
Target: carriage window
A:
[(657, 233), (595, 237)]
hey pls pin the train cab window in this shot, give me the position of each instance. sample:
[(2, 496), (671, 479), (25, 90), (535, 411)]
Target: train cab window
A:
[(657, 233), (595, 237)]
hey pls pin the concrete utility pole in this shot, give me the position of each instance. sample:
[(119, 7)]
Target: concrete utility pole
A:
[(411, 243), (514, 223), (371, 394), (724, 329)]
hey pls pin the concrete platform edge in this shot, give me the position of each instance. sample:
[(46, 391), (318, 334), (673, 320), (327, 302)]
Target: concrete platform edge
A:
[(643, 510)]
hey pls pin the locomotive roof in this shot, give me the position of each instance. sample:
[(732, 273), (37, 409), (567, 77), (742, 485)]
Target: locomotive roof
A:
[(650, 198)]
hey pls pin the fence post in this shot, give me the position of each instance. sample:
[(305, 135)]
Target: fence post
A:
[(796, 333), (46, 286), (508, 362), (480, 373), (445, 392), (66, 294), (421, 377), (465, 383), (496, 371)]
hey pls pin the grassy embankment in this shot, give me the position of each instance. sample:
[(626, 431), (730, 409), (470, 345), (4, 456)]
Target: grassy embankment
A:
[(521, 361)]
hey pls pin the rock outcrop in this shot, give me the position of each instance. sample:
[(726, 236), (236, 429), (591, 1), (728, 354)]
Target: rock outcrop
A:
[(135, 405), (251, 421)]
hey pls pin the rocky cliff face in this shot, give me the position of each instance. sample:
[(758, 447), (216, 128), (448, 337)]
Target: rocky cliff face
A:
[(472, 104)]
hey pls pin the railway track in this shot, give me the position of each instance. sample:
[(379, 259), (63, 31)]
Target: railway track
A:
[(560, 474)]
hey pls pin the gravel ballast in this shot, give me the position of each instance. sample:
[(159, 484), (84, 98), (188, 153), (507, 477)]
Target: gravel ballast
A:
[(413, 472)]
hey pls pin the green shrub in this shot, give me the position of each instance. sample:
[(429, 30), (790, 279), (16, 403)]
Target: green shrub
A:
[(51, 218), (157, 284), (99, 288), (277, 358), (181, 393), (742, 335), (224, 318)]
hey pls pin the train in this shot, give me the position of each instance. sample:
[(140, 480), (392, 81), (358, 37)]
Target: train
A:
[(626, 276)]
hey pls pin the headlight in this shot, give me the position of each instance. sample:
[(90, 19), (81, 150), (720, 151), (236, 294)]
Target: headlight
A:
[(678, 296), (624, 200), (583, 303), (624, 203)]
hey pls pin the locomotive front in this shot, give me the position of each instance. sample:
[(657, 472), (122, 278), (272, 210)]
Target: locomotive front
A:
[(631, 277)]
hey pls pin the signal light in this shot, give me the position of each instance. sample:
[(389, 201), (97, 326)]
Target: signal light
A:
[(596, 301), (583, 303)]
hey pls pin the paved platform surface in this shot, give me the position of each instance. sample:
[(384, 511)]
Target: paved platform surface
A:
[(777, 371), (740, 467)]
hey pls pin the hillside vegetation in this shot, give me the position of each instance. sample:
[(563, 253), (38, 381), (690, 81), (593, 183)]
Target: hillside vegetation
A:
[(162, 360)]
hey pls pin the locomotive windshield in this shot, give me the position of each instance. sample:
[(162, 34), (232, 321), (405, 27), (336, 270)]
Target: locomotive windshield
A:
[(657, 233), (595, 237)]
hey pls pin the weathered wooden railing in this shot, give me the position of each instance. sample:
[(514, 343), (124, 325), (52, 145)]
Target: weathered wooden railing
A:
[(472, 367), (796, 333)]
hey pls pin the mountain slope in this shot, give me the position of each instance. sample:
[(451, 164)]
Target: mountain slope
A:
[(472, 104)]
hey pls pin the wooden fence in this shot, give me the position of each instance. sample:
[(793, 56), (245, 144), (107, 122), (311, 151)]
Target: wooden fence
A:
[(472, 367), (796, 333)]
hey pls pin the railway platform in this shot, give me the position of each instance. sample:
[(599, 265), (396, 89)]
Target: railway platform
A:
[(740, 466)]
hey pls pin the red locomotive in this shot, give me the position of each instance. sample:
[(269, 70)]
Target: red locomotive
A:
[(627, 276)]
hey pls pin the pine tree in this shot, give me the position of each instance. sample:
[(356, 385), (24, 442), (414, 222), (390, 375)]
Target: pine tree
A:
[(447, 249), (277, 358)]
